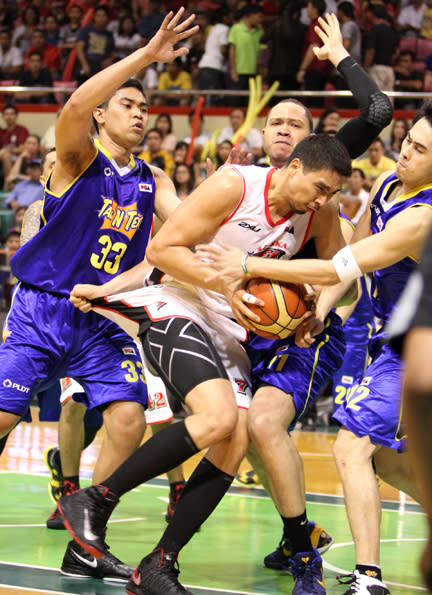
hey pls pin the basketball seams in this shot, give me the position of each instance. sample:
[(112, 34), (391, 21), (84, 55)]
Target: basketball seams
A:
[(281, 300)]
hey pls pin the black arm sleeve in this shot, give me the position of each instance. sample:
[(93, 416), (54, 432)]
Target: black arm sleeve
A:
[(376, 110)]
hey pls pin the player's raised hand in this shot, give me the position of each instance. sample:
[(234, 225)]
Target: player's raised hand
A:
[(241, 157), (169, 34), (82, 294), (330, 34), (225, 260)]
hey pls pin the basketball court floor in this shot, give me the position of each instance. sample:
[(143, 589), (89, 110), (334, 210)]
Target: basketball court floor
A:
[(225, 557)]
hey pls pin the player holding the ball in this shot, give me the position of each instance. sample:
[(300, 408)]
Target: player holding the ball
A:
[(190, 339), (399, 218)]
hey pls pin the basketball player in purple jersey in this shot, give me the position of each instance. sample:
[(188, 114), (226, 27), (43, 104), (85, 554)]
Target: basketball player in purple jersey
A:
[(96, 222)]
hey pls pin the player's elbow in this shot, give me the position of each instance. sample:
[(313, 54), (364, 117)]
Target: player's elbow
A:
[(152, 253)]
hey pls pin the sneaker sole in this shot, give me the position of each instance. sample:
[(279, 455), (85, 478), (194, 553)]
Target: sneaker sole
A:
[(108, 579), (56, 527), (325, 548), (71, 575), (88, 548)]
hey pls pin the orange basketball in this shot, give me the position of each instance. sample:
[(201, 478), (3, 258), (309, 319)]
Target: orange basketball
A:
[(284, 307)]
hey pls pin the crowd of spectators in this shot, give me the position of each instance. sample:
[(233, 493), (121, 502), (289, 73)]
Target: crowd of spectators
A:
[(69, 40), (237, 39)]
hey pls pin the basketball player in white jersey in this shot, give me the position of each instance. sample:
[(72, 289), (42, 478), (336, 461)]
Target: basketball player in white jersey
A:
[(191, 341)]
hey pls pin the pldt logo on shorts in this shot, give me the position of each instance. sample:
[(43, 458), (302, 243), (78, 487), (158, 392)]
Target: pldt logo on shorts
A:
[(7, 383)]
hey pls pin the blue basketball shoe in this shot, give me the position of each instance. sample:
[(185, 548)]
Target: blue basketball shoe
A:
[(280, 559), (306, 568)]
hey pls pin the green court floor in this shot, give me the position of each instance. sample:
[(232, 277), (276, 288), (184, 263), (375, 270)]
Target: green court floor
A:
[(224, 557)]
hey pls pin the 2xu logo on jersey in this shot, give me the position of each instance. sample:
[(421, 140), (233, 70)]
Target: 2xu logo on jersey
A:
[(7, 383)]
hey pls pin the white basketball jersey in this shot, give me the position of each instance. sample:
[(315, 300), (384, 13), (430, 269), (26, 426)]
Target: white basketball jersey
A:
[(251, 228)]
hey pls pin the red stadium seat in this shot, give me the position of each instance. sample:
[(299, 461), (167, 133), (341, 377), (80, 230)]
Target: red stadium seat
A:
[(408, 43), (424, 48)]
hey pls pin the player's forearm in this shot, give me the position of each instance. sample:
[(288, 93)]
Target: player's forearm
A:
[(331, 296), (182, 264), (103, 84), (321, 272), (127, 281)]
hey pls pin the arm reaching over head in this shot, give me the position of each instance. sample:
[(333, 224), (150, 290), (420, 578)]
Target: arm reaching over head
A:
[(376, 110), (75, 121)]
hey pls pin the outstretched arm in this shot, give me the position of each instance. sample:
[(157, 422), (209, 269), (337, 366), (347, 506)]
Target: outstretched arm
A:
[(73, 142), (376, 110), (403, 236)]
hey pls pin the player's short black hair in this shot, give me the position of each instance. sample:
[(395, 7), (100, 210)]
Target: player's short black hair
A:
[(424, 112), (321, 151), (126, 85)]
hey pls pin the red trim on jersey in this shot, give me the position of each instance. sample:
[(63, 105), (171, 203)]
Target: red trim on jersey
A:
[(307, 231), (266, 205), (241, 200)]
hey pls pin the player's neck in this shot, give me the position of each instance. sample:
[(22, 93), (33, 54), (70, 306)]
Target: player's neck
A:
[(120, 154)]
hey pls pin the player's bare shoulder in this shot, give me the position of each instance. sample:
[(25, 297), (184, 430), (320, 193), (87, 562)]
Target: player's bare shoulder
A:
[(162, 180)]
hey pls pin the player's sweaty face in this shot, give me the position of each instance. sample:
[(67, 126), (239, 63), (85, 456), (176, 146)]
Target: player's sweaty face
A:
[(127, 114), (414, 166), (286, 126), (310, 191)]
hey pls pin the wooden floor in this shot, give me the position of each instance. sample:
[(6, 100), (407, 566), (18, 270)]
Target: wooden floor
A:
[(225, 557), (24, 453)]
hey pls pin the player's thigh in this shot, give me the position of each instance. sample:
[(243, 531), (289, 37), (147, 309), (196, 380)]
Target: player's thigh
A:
[(112, 370), (302, 373), (182, 353), (21, 369)]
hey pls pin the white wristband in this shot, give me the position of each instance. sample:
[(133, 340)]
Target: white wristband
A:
[(346, 265)]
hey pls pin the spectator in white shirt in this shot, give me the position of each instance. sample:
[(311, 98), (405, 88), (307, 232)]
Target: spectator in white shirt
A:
[(213, 64), (409, 20), (127, 39)]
